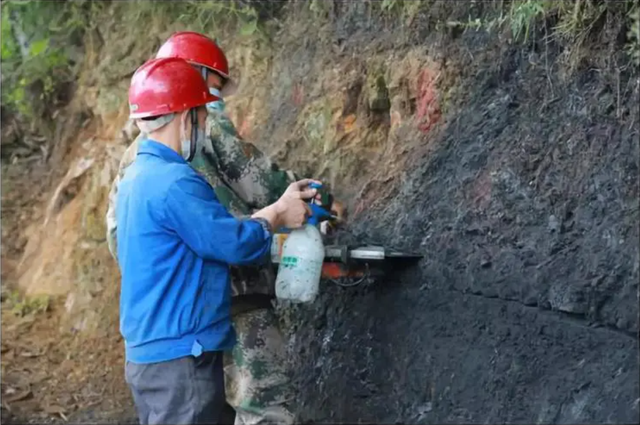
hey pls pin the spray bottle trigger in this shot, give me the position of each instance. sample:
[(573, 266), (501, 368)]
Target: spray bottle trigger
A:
[(318, 213)]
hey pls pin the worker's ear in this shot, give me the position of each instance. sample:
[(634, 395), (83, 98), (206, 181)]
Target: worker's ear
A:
[(339, 210), (229, 89)]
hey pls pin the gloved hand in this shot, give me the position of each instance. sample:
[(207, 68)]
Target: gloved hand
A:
[(340, 211), (325, 199)]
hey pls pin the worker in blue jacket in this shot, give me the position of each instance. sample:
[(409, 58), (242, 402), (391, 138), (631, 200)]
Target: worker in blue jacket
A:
[(175, 244)]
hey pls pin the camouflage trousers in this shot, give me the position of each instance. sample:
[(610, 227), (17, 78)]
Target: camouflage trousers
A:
[(257, 384)]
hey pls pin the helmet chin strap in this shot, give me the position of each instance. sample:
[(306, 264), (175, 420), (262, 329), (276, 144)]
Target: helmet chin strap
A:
[(194, 134), (189, 146)]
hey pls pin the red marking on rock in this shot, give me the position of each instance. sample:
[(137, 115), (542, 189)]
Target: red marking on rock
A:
[(298, 94), (480, 191), (396, 119), (427, 106), (244, 129)]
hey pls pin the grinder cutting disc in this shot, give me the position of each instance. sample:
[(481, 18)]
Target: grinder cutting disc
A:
[(402, 255), (379, 253)]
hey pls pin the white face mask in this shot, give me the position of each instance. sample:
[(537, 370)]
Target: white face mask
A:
[(218, 104)]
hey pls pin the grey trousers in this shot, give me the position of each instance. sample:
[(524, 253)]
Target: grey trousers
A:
[(189, 390)]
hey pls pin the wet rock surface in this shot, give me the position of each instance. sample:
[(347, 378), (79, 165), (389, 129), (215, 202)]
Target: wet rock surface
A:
[(525, 307), (397, 353)]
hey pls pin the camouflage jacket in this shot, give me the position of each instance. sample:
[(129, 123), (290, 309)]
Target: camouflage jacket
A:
[(244, 180)]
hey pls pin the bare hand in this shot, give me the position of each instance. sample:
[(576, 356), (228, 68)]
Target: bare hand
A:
[(339, 210), (291, 208)]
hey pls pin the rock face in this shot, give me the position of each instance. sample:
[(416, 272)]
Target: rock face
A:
[(514, 172), (524, 203), (525, 307)]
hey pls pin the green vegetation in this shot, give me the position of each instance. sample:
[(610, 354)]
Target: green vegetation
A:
[(201, 16), (405, 9), (391, 5), (42, 41), (37, 47), (573, 21), (568, 21), (319, 8), (23, 306), (523, 15)]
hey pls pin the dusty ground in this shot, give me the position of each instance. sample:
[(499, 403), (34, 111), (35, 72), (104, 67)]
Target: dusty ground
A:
[(48, 377), (514, 175)]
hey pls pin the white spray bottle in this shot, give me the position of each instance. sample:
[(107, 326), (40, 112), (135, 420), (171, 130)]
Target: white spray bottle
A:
[(300, 267)]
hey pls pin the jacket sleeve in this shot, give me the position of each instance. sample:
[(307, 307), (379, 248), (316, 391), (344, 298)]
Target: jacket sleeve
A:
[(249, 172), (195, 214), (112, 226)]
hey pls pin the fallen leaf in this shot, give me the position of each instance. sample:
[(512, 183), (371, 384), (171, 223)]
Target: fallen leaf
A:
[(29, 354), (56, 410), (91, 404), (27, 320), (349, 123), (20, 396)]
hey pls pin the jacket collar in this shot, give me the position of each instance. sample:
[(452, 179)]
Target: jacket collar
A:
[(151, 147)]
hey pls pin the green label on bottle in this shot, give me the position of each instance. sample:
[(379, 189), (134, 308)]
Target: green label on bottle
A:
[(289, 262)]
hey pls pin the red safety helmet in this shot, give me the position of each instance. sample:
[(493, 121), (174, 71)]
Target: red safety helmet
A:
[(198, 49), (166, 85)]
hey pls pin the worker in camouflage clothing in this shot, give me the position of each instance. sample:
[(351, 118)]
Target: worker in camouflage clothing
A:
[(244, 179)]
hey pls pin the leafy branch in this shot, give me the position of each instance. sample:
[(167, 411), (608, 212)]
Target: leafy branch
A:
[(36, 52)]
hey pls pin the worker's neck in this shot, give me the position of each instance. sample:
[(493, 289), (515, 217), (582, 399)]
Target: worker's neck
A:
[(168, 137)]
